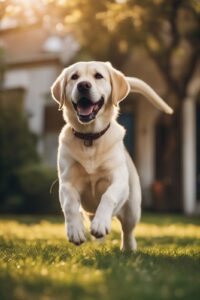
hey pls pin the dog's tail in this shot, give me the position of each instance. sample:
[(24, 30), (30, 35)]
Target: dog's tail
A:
[(139, 86)]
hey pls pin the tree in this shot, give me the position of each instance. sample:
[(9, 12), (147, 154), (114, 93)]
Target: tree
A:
[(168, 30)]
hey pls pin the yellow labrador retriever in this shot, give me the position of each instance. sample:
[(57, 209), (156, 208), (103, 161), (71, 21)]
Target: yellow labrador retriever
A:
[(95, 171)]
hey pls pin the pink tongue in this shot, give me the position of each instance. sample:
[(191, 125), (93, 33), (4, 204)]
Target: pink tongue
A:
[(85, 111)]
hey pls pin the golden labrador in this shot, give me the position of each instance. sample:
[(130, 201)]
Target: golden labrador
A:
[(95, 171)]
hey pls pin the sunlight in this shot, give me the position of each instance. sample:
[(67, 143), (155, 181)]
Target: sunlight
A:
[(21, 12), (27, 4)]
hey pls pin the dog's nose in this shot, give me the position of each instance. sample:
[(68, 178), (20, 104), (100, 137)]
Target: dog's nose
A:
[(84, 86)]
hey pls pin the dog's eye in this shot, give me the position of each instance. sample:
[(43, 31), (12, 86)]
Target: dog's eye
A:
[(98, 76), (74, 77)]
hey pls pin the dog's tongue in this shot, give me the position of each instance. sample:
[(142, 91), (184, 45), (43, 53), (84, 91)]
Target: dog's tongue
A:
[(85, 111)]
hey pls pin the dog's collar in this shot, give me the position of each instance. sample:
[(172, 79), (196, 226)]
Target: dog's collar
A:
[(88, 138)]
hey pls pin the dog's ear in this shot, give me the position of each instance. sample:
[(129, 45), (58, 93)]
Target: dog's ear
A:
[(119, 83), (58, 89)]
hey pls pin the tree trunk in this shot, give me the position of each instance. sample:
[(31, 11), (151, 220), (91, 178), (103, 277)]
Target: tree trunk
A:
[(168, 160)]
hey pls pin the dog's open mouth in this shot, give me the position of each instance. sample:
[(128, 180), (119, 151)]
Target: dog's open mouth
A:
[(86, 109)]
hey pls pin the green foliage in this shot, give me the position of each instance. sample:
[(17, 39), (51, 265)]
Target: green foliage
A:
[(111, 30), (36, 261), (25, 183), (18, 148), (18, 144), (34, 182), (147, 23)]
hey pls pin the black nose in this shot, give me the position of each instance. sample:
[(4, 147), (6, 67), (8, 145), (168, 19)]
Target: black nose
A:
[(84, 86)]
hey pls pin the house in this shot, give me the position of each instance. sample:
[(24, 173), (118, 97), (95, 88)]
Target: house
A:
[(168, 162)]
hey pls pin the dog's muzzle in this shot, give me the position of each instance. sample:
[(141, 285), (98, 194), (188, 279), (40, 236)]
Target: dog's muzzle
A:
[(86, 109)]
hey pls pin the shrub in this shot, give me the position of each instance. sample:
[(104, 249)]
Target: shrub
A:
[(18, 148), (34, 182), (25, 183)]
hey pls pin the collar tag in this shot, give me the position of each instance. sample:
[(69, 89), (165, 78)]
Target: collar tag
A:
[(88, 143)]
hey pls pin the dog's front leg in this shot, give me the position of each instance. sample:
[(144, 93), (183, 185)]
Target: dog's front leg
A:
[(112, 200), (70, 203)]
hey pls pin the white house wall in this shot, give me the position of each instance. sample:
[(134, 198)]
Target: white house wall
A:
[(189, 156), (37, 82), (190, 205)]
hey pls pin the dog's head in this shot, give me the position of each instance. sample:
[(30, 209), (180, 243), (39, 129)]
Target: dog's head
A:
[(91, 90), (86, 89)]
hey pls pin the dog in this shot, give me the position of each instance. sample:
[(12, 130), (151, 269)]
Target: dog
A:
[(95, 170)]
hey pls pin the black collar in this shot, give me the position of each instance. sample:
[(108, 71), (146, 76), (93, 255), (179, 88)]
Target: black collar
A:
[(89, 137)]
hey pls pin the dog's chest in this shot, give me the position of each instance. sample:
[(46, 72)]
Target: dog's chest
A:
[(90, 166), (96, 179), (95, 187), (90, 159)]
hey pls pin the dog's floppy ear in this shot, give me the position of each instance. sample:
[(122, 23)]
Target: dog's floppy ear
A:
[(119, 83), (58, 89)]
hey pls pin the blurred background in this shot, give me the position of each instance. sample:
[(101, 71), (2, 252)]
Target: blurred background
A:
[(155, 40)]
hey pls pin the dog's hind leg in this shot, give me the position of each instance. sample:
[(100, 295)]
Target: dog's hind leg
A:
[(128, 219)]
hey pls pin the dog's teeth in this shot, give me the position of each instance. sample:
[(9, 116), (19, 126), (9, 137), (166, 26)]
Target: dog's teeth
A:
[(96, 107)]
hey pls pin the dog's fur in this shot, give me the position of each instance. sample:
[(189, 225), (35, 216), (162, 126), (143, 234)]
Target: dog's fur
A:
[(102, 178)]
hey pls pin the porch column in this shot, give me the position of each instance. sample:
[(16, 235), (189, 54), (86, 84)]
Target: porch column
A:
[(189, 156)]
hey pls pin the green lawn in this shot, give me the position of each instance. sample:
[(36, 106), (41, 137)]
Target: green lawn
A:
[(36, 261)]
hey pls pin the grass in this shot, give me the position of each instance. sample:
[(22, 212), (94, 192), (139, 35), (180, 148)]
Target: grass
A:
[(36, 261)]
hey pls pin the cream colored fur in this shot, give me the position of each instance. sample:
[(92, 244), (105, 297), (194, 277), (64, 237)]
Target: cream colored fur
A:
[(101, 179)]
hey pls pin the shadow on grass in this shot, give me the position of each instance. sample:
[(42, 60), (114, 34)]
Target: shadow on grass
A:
[(150, 275), (39, 287), (145, 256), (33, 219), (166, 219), (148, 218)]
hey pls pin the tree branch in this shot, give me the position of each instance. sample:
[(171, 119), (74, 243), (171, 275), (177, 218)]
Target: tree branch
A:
[(164, 69)]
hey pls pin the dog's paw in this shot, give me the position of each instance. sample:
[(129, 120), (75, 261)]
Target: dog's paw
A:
[(100, 227), (129, 244), (76, 233)]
